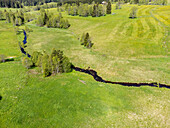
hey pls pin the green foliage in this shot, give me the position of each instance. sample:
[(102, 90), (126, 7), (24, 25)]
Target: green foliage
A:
[(28, 29), (45, 65), (118, 5), (86, 41), (16, 29), (53, 64), (7, 17), (27, 63), (35, 57), (40, 60), (16, 18), (52, 21), (133, 13), (109, 8), (1, 15), (85, 10), (40, 21)]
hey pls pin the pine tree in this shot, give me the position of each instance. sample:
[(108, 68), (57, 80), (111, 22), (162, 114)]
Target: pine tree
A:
[(39, 62), (133, 13), (86, 39), (34, 58), (27, 62), (109, 8), (7, 17), (1, 15), (19, 21), (45, 64), (82, 38), (40, 21), (94, 11), (66, 65), (13, 19)]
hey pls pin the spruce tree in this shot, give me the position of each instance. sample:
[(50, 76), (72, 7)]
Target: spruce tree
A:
[(82, 38), (94, 11), (133, 13), (66, 65), (34, 58), (40, 61), (45, 64), (7, 17), (109, 8), (13, 19), (27, 62), (1, 15), (86, 39)]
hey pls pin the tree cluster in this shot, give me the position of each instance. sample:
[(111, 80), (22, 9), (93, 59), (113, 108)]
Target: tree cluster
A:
[(154, 2), (82, 1), (16, 18), (86, 41), (51, 20), (54, 63), (94, 10), (22, 3)]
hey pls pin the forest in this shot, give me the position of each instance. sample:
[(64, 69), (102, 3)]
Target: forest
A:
[(21, 3)]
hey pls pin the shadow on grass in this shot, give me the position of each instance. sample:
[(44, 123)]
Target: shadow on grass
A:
[(0, 97), (7, 60)]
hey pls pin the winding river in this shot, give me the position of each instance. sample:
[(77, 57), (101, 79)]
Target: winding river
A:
[(98, 78)]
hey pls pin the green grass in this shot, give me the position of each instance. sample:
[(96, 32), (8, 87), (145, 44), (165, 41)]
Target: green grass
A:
[(8, 40), (63, 101), (130, 50)]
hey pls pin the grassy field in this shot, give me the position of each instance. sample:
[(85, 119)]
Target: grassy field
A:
[(124, 50)]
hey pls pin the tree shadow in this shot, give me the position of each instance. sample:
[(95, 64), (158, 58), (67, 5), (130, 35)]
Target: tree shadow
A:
[(0, 97)]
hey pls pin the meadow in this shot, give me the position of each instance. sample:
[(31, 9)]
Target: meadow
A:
[(127, 50)]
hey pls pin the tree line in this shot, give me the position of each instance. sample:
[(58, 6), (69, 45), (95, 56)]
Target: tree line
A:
[(54, 63), (51, 20), (22, 3), (17, 18), (94, 10), (154, 2)]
